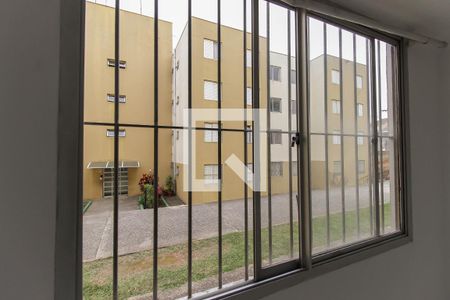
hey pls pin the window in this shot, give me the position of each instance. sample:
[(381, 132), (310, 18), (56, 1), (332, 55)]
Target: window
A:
[(335, 77), (275, 137), (210, 49), (111, 98), (361, 166), (336, 138), (211, 174), (276, 169), (333, 167), (249, 171), (210, 90), (275, 105), (249, 134), (336, 163), (275, 73), (110, 132), (211, 136), (336, 106), (294, 107), (360, 138), (294, 167), (337, 167), (360, 108), (112, 63), (293, 77), (249, 98), (359, 82), (248, 54)]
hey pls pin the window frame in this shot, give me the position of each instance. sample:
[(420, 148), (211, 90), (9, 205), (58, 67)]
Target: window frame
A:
[(70, 165)]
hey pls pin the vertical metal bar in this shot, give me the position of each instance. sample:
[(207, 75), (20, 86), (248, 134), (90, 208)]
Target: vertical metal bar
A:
[(380, 134), (369, 134), (245, 143), (303, 150), (219, 145), (256, 138), (298, 89), (269, 136), (190, 149), (155, 153), (291, 213), (355, 91), (341, 96), (375, 139), (325, 92), (116, 150)]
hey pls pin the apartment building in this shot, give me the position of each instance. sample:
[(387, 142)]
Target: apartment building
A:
[(342, 112), (282, 108), (136, 107)]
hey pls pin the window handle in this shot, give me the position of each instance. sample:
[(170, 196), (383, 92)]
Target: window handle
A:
[(295, 139)]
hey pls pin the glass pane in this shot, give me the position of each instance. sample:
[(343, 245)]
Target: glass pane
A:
[(387, 87), (279, 206), (341, 170)]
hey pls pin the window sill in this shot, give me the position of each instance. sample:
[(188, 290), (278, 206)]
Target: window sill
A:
[(322, 264)]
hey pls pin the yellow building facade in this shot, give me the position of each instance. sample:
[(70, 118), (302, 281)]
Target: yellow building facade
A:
[(136, 106)]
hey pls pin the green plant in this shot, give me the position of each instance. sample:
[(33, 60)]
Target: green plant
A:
[(147, 196), (168, 186)]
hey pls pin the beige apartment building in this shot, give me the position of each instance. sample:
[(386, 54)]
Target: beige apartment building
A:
[(354, 122), (136, 100), (136, 106)]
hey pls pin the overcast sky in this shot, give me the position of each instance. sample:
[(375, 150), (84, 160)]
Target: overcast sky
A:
[(176, 11)]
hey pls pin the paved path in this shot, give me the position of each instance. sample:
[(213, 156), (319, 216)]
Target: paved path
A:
[(136, 226)]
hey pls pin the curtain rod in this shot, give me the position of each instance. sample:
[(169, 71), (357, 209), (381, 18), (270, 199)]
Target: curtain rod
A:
[(345, 15)]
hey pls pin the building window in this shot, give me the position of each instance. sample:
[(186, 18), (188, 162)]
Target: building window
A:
[(110, 133), (210, 90), (112, 63), (293, 77), (360, 138), (294, 107), (248, 54), (336, 137), (249, 99), (275, 137), (294, 167), (361, 166), (111, 98), (337, 167), (335, 77), (359, 82), (336, 106), (249, 134), (275, 73), (210, 49), (275, 105), (360, 108), (211, 136), (249, 171), (211, 174), (276, 168)]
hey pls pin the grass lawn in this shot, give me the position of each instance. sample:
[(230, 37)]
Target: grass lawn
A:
[(135, 270)]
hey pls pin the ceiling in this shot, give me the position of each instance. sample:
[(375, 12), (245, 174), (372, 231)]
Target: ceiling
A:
[(427, 17)]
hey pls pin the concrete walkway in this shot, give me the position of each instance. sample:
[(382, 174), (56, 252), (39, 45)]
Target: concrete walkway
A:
[(136, 226)]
